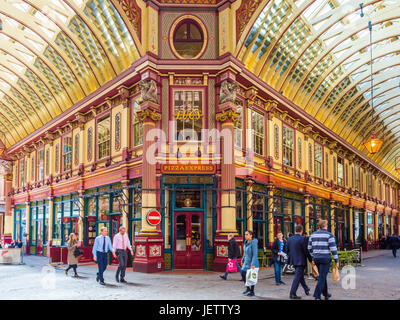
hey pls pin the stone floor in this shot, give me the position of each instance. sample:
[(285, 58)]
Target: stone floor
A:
[(377, 279)]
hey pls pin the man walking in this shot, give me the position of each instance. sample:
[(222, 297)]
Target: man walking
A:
[(321, 244), (120, 244), (102, 244), (298, 254)]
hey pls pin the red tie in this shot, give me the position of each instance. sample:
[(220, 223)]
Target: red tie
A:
[(123, 242)]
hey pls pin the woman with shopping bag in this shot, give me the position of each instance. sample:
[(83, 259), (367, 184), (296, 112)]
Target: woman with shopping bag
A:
[(250, 263), (233, 255)]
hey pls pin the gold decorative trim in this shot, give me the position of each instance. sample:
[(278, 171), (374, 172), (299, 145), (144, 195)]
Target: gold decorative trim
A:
[(225, 115), (154, 115)]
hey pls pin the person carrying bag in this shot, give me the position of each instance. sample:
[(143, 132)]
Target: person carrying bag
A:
[(250, 263), (233, 255)]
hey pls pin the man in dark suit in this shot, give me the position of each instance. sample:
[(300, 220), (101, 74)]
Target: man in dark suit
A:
[(298, 255)]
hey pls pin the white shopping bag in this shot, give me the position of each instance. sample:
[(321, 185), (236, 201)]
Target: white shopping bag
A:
[(251, 277)]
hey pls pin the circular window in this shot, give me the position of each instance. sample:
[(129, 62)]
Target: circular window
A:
[(188, 39)]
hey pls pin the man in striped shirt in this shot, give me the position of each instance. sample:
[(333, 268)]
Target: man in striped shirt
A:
[(321, 244)]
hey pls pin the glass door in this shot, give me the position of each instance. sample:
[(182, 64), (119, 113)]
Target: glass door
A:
[(188, 242), (115, 223)]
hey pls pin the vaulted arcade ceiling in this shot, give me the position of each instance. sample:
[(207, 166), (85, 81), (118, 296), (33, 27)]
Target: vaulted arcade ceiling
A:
[(53, 53), (317, 53)]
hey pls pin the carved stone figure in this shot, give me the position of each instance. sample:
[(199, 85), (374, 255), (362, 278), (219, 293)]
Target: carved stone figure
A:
[(148, 90), (227, 92)]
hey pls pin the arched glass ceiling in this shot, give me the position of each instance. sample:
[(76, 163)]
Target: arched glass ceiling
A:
[(317, 53), (54, 53)]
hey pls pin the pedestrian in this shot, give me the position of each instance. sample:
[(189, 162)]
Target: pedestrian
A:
[(321, 244), (250, 258), (277, 256), (394, 243), (120, 244), (296, 249), (233, 254), (101, 246), (71, 258)]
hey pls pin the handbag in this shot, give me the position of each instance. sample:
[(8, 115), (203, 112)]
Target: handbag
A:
[(78, 252), (251, 277), (231, 266), (335, 274)]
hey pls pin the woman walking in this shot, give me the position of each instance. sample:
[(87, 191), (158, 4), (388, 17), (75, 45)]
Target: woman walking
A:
[(250, 259), (72, 259), (233, 254), (278, 252)]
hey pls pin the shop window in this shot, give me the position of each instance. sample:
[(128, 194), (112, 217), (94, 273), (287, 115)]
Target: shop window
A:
[(318, 160), (40, 164), (57, 222), (136, 220), (188, 113), (67, 153), (188, 39), (287, 218), (300, 153), (57, 157), (326, 166), (239, 127), (103, 138), (340, 171), (239, 212), (288, 146), (258, 130), (188, 199), (33, 168), (117, 128), (276, 142), (76, 150), (22, 172), (334, 168), (259, 218), (89, 144), (47, 162), (137, 125)]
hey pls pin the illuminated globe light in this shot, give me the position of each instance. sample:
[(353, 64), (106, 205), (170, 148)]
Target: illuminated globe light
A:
[(373, 144)]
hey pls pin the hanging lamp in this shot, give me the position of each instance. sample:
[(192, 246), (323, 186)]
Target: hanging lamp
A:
[(373, 144)]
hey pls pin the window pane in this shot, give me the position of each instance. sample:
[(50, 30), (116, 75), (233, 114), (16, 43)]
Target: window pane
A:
[(188, 112), (103, 138)]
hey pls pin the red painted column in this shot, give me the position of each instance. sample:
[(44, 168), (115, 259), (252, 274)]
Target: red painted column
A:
[(149, 243), (227, 196)]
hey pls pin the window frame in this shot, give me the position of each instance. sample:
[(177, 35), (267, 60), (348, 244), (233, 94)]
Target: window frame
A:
[(321, 162), (288, 128), (99, 119), (258, 134)]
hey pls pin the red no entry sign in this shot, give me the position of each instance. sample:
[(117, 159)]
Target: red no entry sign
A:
[(153, 217)]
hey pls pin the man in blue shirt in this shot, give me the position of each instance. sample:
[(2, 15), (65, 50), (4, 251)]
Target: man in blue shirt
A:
[(102, 244)]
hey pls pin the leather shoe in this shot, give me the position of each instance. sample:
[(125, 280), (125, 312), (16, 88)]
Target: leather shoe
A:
[(295, 297), (123, 280), (307, 292), (246, 292), (97, 278), (250, 294), (222, 277), (281, 282), (328, 296), (102, 283), (116, 278)]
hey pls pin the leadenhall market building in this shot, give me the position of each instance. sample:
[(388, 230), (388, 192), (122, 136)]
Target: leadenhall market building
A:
[(222, 116)]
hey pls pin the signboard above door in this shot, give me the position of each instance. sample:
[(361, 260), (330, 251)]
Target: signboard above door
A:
[(188, 168)]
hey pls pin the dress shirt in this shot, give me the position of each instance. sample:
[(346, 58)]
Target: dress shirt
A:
[(118, 243), (98, 245)]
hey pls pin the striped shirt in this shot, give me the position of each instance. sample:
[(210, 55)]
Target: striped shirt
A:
[(321, 244)]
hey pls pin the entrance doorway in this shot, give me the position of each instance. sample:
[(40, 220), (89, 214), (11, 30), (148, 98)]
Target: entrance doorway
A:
[(188, 244), (112, 226)]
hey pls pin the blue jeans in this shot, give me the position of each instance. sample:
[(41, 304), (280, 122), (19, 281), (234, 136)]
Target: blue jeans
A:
[(323, 265), (298, 279), (237, 266), (278, 271), (102, 264)]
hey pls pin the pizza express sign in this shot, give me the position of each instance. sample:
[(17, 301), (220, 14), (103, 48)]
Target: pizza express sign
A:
[(188, 169)]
